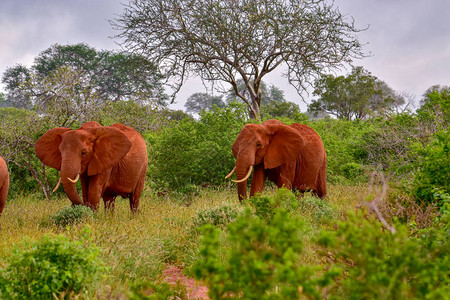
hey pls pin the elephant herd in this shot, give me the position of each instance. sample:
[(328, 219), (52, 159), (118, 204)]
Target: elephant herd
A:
[(112, 161)]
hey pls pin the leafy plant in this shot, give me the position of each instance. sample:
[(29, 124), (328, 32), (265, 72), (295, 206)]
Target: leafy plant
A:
[(196, 152), (261, 261), (265, 206), (319, 209), (377, 264), (219, 216), (72, 215), (433, 167), (50, 267)]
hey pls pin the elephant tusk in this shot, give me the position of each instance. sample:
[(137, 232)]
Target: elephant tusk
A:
[(231, 173), (74, 180), (57, 185), (246, 176)]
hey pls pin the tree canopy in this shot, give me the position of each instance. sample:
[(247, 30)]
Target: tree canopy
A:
[(224, 41), (354, 96), (202, 101), (108, 75)]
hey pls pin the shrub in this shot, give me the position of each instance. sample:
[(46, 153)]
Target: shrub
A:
[(196, 152), (344, 144), (72, 215), (351, 170), (219, 216), (433, 167), (377, 264), (262, 259), (49, 268), (265, 206), (319, 209)]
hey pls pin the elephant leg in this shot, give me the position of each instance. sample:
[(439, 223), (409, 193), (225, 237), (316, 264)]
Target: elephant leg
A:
[(85, 188), (109, 201), (322, 181), (3, 194), (95, 191), (286, 176), (258, 179), (136, 195)]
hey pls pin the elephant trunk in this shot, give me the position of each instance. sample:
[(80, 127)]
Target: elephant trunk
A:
[(68, 174), (242, 172)]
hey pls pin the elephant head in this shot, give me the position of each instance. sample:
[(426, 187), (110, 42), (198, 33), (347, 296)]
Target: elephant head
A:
[(268, 145), (90, 150)]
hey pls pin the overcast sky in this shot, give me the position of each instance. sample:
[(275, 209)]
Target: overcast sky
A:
[(408, 40)]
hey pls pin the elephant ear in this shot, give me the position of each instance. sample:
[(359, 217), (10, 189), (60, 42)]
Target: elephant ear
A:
[(236, 145), (47, 147), (110, 147), (285, 144)]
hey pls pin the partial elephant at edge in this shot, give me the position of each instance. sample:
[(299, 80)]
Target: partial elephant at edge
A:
[(4, 184), (110, 161)]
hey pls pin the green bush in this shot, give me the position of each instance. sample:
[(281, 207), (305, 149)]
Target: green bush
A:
[(218, 216), (51, 267), (196, 152), (72, 215), (377, 264), (265, 206), (319, 209), (261, 259), (433, 167), (344, 144), (351, 170)]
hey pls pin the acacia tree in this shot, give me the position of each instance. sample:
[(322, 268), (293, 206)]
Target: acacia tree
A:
[(223, 41)]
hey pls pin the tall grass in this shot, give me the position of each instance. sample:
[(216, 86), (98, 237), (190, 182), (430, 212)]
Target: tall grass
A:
[(138, 247)]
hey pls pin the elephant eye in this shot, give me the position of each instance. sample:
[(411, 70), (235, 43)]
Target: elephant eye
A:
[(258, 145), (83, 152)]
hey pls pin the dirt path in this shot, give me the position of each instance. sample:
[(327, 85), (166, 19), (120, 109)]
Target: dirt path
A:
[(174, 275)]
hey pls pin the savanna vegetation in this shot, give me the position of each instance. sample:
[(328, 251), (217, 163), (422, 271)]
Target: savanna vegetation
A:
[(381, 232)]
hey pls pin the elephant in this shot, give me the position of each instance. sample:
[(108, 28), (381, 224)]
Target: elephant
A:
[(291, 156), (4, 184), (110, 160)]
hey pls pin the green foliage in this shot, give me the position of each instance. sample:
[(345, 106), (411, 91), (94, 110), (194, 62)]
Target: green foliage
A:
[(142, 118), (354, 96), (266, 206), (19, 130), (344, 143), (51, 267), (433, 167), (63, 72), (196, 152), (261, 262), (218, 216), (377, 264), (318, 209), (259, 258), (351, 170), (72, 215), (284, 109), (436, 108)]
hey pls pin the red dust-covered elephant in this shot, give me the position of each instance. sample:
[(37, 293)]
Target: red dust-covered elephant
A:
[(291, 156), (110, 160), (4, 183)]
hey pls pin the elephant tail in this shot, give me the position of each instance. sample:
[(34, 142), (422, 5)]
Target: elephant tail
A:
[(322, 180)]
